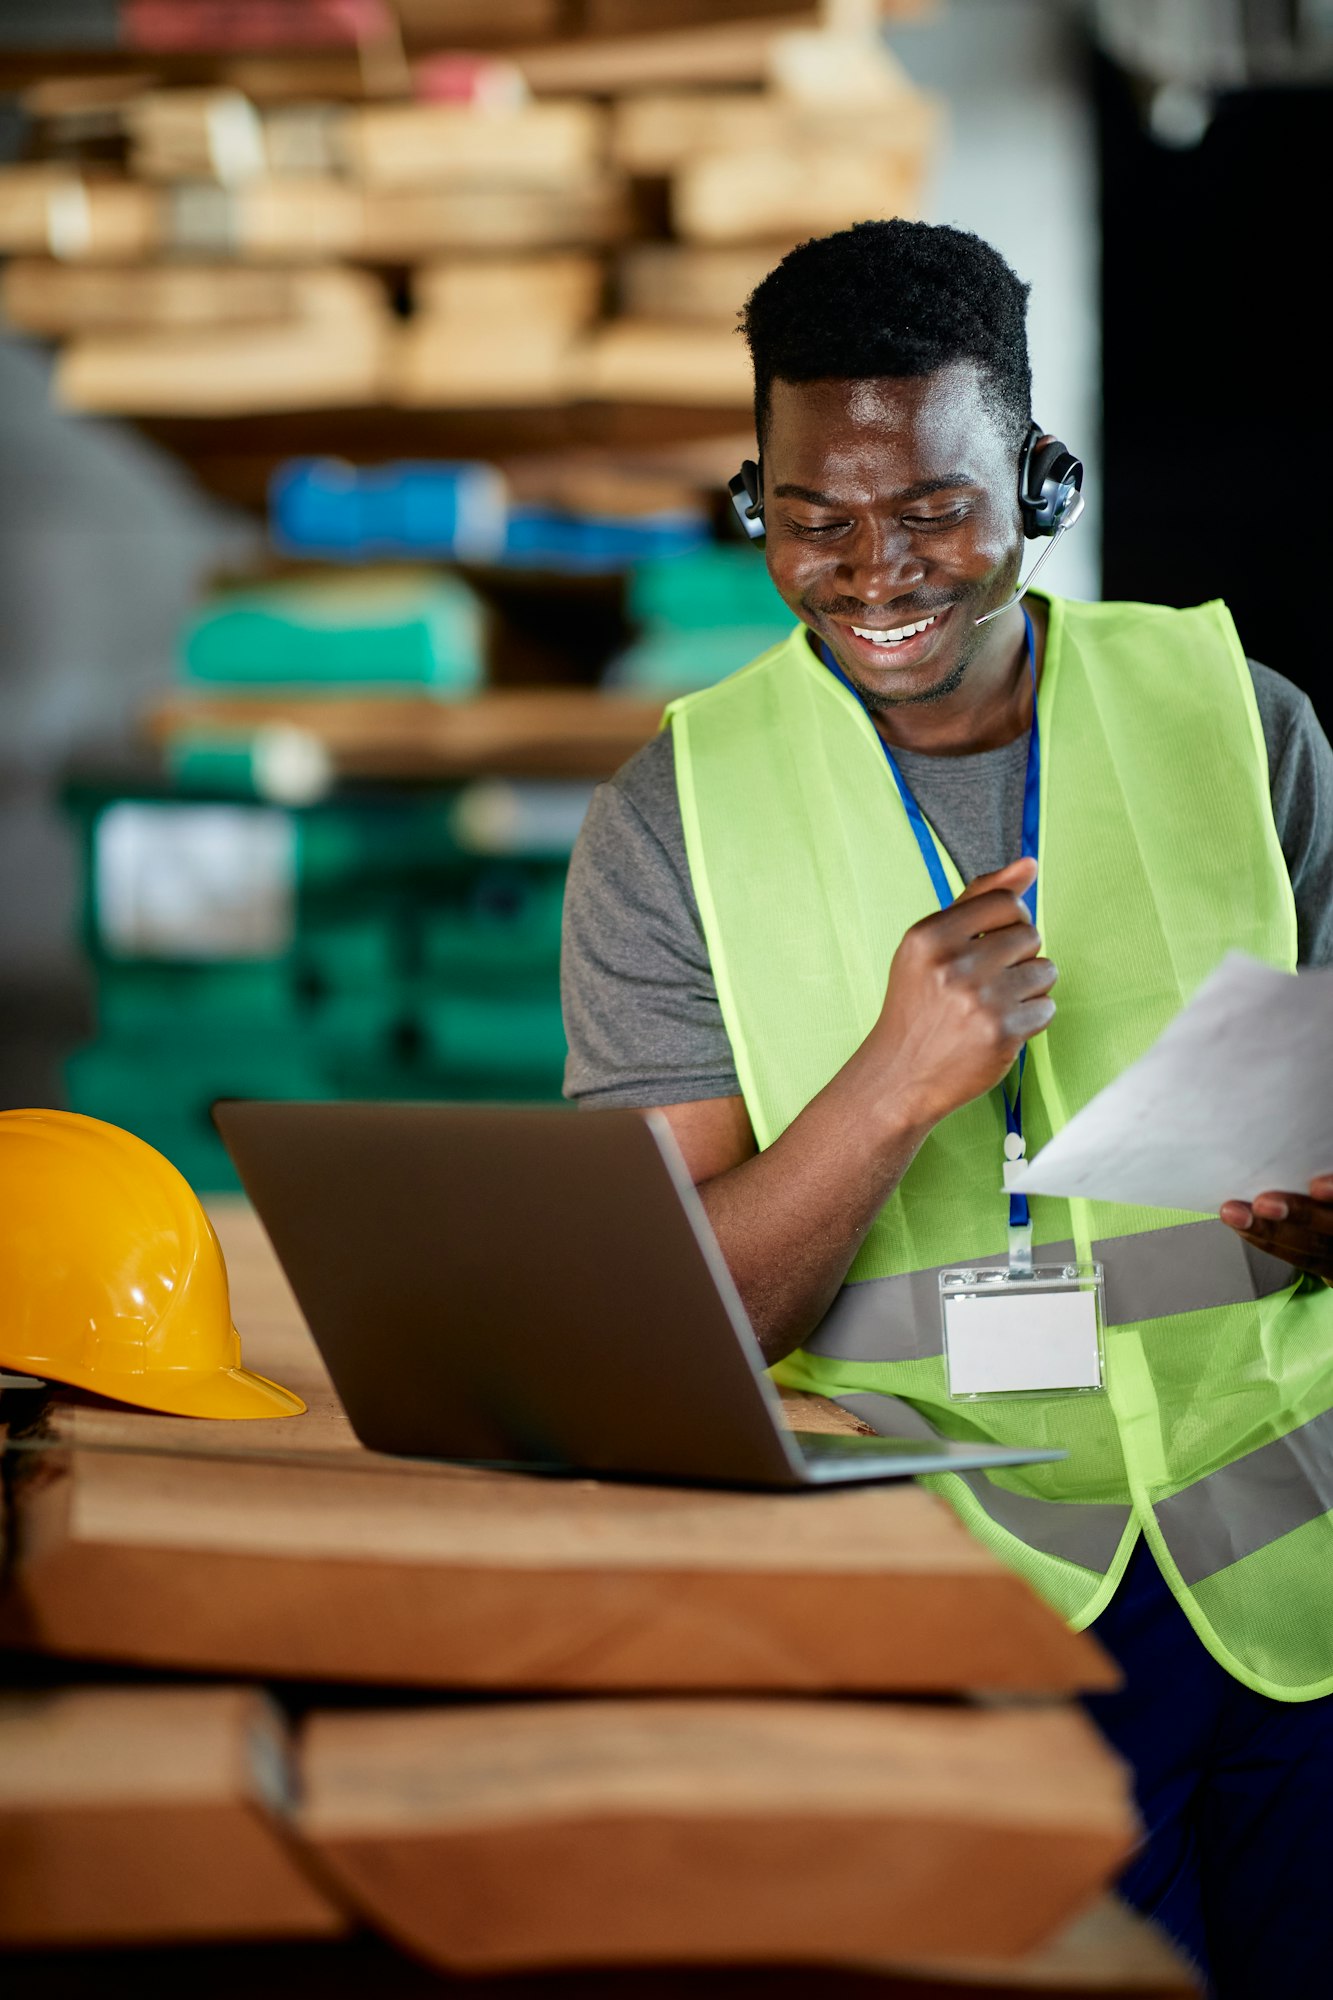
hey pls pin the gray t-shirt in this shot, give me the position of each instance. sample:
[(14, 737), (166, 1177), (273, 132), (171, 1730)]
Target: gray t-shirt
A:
[(641, 1008)]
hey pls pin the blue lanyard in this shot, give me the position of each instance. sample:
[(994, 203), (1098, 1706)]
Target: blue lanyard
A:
[(930, 854)]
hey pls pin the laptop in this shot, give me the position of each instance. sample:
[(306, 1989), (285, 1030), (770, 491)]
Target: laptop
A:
[(535, 1287)]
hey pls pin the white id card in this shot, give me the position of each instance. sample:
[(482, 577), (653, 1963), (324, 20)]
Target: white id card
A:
[(1031, 1336)]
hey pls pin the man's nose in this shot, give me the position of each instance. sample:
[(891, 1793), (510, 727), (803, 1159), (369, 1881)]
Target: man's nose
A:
[(883, 563)]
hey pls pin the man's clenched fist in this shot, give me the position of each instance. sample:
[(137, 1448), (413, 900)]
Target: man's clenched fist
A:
[(967, 988)]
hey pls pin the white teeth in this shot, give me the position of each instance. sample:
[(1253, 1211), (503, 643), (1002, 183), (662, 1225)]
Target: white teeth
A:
[(894, 638)]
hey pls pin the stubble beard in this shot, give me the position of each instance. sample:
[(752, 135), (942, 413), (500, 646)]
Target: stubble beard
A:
[(878, 703)]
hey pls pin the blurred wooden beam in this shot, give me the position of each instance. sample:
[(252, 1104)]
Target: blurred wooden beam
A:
[(235, 457), (542, 1835), (515, 732), (440, 1576), (133, 1815)]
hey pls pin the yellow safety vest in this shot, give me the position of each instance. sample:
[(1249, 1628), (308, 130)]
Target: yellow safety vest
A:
[(1214, 1438)]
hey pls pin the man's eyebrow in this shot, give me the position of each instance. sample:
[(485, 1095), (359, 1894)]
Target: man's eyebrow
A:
[(920, 491)]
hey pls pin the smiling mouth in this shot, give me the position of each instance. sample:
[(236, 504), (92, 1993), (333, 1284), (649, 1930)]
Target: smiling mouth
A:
[(896, 635)]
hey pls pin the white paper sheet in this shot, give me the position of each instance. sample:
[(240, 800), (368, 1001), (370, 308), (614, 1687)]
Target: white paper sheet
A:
[(1234, 1096)]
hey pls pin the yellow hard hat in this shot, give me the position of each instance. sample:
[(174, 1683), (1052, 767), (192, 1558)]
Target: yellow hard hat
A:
[(111, 1275)]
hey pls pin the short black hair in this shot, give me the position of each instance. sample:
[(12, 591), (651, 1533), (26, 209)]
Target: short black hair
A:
[(891, 298)]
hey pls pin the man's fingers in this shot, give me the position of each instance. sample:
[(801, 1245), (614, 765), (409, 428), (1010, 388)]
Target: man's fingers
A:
[(997, 910), (1321, 1187), (994, 954), (1036, 976), (1280, 1205), (1029, 1018), (1015, 876), (1303, 1236), (1028, 1009)]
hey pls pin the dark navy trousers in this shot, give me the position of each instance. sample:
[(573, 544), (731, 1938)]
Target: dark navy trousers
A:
[(1235, 1793)]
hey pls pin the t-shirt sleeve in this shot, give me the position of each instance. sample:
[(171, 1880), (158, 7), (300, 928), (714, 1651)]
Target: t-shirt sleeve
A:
[(1300, 779), (641, 1011)]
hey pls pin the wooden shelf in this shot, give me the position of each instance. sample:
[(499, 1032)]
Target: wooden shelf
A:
[(234, 457)]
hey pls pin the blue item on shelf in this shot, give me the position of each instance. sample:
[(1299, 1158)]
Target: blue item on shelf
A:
[(552, 538), (327, 507)]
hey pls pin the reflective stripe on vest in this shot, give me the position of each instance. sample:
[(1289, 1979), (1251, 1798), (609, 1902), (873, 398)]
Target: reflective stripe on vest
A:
[(1079, 1531), (1151, 1275), (1242, 1507), (1219, 1520)]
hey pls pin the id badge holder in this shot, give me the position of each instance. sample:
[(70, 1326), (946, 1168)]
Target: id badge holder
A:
[(1040, 1333)]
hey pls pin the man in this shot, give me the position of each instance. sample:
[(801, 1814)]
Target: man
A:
[(746, 886)]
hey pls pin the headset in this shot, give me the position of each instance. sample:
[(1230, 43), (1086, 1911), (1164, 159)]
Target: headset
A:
[(1050, 498)]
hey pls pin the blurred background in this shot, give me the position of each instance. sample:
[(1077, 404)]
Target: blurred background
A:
[(369, 382)]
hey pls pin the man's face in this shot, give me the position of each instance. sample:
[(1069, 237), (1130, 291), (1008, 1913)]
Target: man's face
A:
[(889, 502)]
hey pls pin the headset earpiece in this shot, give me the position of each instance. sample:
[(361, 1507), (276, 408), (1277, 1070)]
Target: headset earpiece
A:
[(746, 490), (1049, 483)]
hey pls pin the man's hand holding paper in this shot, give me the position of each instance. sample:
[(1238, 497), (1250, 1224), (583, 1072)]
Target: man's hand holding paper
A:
[(1298, 1228)]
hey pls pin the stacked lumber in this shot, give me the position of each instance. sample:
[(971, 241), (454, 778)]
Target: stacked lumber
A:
[(501, 330), (659, 1819), (750, 172), (669, 165), (38, 295)]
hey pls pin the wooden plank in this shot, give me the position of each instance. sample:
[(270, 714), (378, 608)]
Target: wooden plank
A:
[(440, 1576), (785, 194), (282, 1548), (713, 1832), (235, 457), (672, 361), (476, 23), (601, 17), (313, 76), (42, 295), (457, 363), (406, 145), (562, 290), (411, 223), (659, 132), (193, 372), (48, 207), (148, 1814), (638, 17), (566, 732), (710, 283), (295, 218), (209, 134), (490, 330), (715, 52)]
